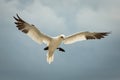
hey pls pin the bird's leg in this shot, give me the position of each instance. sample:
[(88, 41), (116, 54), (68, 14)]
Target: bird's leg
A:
[(61, 49), (46, 48)]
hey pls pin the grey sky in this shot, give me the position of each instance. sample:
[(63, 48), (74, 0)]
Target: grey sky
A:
[(23, 59)]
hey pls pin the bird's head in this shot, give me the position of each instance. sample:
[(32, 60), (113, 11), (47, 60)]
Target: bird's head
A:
[(62, 36)]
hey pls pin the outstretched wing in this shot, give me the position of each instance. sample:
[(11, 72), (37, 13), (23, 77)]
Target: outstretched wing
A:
[(84, 36), (31, 31)]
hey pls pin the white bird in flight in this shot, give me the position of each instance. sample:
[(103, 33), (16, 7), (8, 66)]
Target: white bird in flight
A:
[(54, 42)]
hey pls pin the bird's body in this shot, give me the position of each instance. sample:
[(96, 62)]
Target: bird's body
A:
[(53, 45), (54, 42)]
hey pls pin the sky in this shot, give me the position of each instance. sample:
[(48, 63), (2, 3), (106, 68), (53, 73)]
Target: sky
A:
[(23, 59)]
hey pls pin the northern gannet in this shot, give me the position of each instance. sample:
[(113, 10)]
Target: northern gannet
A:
[(54, 42)]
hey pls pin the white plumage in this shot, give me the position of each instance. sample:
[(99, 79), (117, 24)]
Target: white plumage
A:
[(54, 42)]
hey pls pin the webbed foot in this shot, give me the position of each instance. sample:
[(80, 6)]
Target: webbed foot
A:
[(46, 48), (61, 49)]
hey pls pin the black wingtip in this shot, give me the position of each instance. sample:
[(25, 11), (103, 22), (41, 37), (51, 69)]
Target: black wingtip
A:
[(18, 16), (106, 33), (15, 18)]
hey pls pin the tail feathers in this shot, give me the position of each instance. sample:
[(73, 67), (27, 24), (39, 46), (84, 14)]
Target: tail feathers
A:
[(50, 58)]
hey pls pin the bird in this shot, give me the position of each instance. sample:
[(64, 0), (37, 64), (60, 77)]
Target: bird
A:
[(53, 43)]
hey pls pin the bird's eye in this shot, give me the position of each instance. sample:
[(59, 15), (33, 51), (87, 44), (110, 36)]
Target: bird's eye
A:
[(62, 37)]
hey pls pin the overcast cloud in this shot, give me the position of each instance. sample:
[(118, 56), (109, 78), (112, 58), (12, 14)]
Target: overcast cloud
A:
[(23, 59)]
